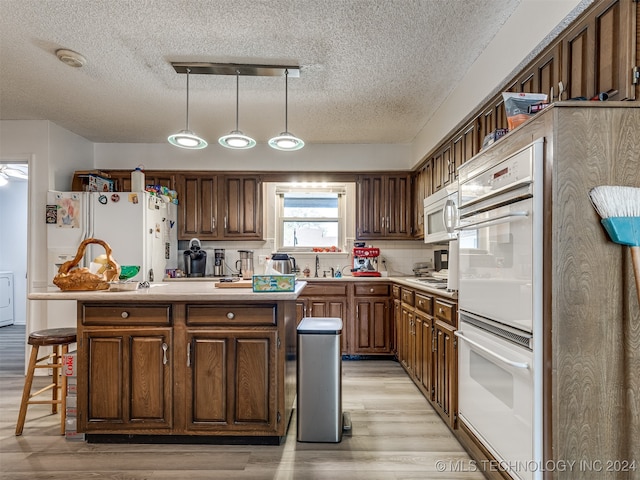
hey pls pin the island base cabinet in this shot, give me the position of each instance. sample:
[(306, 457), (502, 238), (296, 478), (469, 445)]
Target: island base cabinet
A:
[(218, 369), (231, 381), (128, 378)]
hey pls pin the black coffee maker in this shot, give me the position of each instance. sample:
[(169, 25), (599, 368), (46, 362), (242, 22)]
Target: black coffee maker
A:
[(441, 259), (195, 259)]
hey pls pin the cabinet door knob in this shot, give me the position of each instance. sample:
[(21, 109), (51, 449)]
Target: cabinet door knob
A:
[(371, 290), (124, 314), (441, 310), (231, 315)]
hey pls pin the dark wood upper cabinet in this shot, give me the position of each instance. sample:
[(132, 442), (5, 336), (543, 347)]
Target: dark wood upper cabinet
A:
[(198, 206), (216, 207), (383, 206), (542, 75), (598, 54), (242, 202), (122, 179), (421, 185)]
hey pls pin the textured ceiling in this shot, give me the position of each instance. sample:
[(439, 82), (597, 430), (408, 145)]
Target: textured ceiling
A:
[(371, 71)]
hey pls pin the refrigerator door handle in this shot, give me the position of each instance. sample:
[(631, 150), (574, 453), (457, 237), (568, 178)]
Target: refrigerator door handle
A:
[(88, 229)]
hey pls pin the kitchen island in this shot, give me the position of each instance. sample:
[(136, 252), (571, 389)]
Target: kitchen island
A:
[(184, 362)]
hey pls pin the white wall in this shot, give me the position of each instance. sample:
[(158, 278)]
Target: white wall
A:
[(54, 153), (312, 158), (13, 242)]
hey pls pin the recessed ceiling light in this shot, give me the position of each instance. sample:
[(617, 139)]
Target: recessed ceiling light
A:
[(71, 58)]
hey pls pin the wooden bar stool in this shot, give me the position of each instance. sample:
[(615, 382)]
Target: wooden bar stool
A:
[(59, 339)]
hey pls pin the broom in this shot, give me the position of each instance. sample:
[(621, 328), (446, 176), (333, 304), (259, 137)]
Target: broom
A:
[(619, 208)]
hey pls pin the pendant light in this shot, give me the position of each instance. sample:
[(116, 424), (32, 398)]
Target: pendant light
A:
[(236, 139), (186, 138), (286, 140)]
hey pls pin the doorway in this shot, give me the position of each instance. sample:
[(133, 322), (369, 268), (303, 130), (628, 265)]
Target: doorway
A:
[(14, 214)]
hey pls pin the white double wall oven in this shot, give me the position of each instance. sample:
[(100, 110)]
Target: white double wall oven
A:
[(500, 306)]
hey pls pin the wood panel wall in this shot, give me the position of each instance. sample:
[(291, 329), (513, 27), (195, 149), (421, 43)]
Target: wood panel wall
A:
[(595, 313)]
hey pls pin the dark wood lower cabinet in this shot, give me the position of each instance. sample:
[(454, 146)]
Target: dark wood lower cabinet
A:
[(230, 384), (371, 320), (128, 378), (427, 348), (324, 299), (445, 372), (365, 310), (426, 352), (372, 326), (186, 369)]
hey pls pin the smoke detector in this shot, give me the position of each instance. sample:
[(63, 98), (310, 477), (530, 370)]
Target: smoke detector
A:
[(71, 58)]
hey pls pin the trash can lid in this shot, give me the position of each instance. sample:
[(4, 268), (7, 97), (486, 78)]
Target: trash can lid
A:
[(320, 325)]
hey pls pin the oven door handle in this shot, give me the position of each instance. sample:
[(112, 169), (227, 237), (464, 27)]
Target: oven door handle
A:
[(505, 360), (494, 221)]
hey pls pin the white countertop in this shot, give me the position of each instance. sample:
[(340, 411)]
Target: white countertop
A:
[(406, 281), (169, 291), (416, 284), (203, 289)]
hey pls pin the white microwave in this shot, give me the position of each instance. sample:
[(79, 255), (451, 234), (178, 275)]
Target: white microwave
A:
[(441, 215)]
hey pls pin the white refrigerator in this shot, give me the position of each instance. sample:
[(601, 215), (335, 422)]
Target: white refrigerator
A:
[(140, 228)]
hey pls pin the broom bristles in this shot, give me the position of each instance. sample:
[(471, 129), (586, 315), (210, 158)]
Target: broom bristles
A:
[(616, 201)]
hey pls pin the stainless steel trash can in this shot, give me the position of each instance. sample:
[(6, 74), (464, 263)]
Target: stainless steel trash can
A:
[(319, 412)]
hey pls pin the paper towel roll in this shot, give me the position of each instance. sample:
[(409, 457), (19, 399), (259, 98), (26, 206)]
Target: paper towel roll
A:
[(454, 252)]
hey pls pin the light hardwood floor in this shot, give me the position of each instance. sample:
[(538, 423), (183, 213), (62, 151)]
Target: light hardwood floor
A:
[(396, 436)]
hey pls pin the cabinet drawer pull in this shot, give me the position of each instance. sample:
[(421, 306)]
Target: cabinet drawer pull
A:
[(231, 315), (124, 314), (371, 290), (165, 347), (441, 310)]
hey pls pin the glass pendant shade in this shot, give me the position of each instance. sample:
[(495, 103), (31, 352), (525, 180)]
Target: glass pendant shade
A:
[(286, 141), (186, 138), (236, 139)]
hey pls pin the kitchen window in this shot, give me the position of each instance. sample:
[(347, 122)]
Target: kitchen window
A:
[(308, 217)]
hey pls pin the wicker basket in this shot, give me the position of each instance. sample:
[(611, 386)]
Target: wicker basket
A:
[(70, 278)]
